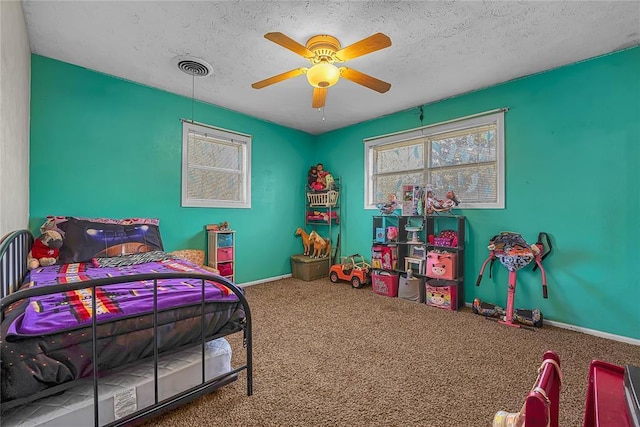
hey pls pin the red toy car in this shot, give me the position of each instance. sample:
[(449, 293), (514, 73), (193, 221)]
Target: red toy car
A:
[(353, 269)]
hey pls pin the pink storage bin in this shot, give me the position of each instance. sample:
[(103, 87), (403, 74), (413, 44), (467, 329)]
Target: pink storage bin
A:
[(441, 265), (226, 268), (445, 238), (443, 241), (385, 283), (225, 254), (441, 296)]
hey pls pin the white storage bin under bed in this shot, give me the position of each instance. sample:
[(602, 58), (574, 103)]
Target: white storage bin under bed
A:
[(126, 391)]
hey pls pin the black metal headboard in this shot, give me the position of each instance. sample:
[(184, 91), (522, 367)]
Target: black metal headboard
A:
[(14, 248)]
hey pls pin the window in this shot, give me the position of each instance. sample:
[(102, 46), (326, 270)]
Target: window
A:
[(466, 156), (216, 167)]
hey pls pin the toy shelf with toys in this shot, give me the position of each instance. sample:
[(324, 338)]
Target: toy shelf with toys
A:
[(221, 245), (444, 267), (320, 234), (322, 213), (417, 251), (428, 248)]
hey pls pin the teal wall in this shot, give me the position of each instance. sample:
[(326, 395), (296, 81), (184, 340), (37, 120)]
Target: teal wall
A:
[(102, 146), (572, 160)]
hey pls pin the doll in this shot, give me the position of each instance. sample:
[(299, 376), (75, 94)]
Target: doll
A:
[(312, 176), (322, 174), (313, 180), (390, 206)]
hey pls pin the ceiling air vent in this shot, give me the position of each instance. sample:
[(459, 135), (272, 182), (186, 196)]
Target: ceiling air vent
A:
[(193, 66)]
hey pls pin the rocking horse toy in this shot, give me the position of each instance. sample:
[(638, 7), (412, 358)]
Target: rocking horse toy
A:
[(514, 253)]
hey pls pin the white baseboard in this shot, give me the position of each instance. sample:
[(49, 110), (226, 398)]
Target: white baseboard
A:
[(568, 326), (587, 331), (593, 332), (257, 282)]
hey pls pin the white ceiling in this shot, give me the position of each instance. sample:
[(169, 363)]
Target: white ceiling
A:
[(440, 48)]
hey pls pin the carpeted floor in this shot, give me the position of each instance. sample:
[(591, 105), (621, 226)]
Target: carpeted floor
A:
[(329, 355)]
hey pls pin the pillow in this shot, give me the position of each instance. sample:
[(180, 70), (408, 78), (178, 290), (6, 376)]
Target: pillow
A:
[(133, 259), (195, 256), (87, 238)]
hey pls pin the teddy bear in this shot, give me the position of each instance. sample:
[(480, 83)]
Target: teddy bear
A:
[(45, 250)]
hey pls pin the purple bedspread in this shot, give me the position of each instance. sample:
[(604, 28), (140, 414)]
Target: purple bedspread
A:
[(59, 312)]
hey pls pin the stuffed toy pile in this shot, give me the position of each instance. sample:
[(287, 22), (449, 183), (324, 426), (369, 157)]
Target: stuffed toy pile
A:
[(45, 250)]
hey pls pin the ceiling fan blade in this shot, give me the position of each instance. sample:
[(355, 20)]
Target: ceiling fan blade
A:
[(370, 44), (319, 97), (289, 43), (364, 79), (279, 78)]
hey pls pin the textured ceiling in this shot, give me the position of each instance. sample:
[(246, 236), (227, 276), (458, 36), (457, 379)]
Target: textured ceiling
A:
[(440, 48)]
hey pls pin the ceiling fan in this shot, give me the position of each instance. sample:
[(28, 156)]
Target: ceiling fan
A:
[(323, 51)]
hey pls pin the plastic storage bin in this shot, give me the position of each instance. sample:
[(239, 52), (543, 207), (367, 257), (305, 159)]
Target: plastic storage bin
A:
[(384, 283), (305, 268)]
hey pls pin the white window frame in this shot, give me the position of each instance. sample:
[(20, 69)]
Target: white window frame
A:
[(242, 141), (496, 116)]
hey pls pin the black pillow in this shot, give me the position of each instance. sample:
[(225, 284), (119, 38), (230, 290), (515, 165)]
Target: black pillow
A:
[(85, 239)]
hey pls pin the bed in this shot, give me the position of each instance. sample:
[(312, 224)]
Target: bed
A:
[(153, 310)]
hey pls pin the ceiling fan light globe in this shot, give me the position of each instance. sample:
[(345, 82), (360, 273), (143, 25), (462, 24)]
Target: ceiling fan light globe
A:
[(323, 75)]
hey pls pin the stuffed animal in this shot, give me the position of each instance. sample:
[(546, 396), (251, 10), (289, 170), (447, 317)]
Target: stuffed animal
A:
[(45, 250)]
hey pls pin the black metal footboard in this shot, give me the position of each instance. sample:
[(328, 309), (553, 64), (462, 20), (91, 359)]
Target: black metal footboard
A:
[(13, 254)]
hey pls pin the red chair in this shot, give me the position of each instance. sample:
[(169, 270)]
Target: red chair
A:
[(541, 406), (606, 403)]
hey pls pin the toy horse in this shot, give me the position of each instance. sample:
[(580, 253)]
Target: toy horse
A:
[(305, 240), (321, 246)]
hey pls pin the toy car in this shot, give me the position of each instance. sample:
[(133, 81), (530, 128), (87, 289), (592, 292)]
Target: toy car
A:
[(353, 269)]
